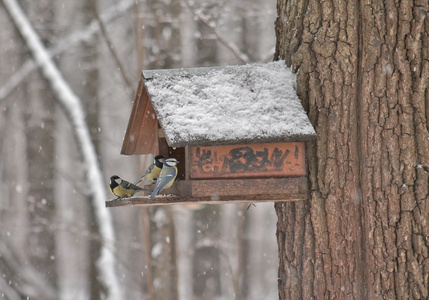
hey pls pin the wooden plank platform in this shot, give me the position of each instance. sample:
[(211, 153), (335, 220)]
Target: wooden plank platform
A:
[(223, 192), (176, 200)]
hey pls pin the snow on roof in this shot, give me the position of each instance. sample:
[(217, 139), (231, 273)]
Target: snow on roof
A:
[(228, 105)]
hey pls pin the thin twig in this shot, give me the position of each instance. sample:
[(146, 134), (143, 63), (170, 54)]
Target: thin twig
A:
[(112, 50), (231, 46), (139, 35), (65, 44)]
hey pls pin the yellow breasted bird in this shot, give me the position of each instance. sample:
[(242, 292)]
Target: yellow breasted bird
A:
[(152, 172), (166, 177), (122, 188)]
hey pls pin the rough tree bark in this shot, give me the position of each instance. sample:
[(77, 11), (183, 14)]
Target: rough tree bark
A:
[(363, 76)]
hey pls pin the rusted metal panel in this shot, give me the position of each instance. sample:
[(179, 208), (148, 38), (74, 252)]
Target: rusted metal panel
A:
[(248, 161), (141, 136)]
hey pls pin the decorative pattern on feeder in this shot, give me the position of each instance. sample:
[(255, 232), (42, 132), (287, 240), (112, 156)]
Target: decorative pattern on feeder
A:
[(238, 131), (253, 161)]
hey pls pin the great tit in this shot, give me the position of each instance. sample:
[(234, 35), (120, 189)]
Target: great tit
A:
[(152, 172), (166, 177), (122, 188)]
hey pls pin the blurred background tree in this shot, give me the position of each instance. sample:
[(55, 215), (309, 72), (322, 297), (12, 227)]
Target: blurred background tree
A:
[(49, 237)]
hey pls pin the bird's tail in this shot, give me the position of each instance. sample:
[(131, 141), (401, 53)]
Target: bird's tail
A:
[(155, 191)]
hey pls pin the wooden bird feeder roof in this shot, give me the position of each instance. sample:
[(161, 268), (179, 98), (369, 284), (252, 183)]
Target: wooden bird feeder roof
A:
[(238, 132), (255, 103)]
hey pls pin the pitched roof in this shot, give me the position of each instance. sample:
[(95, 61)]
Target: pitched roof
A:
[(228, 105)]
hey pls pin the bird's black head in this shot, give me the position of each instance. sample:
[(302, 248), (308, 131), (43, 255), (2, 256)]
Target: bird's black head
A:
[(159, 161), (115, 180)]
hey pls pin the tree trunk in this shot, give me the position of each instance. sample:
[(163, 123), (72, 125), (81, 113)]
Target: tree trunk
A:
[(363, 69), (163, 253), (206, 254), (163, 36), (40, 143)]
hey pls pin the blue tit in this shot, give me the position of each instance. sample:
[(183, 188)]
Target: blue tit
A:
[(152, 172), (166, 177), (122, 188)]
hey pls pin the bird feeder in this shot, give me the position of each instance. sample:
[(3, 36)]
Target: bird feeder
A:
[(238, 132)]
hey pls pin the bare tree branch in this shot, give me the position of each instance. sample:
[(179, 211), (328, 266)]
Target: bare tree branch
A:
[(73, 109), (231, 46), (77, 37), (31, 281), (112, 50)]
